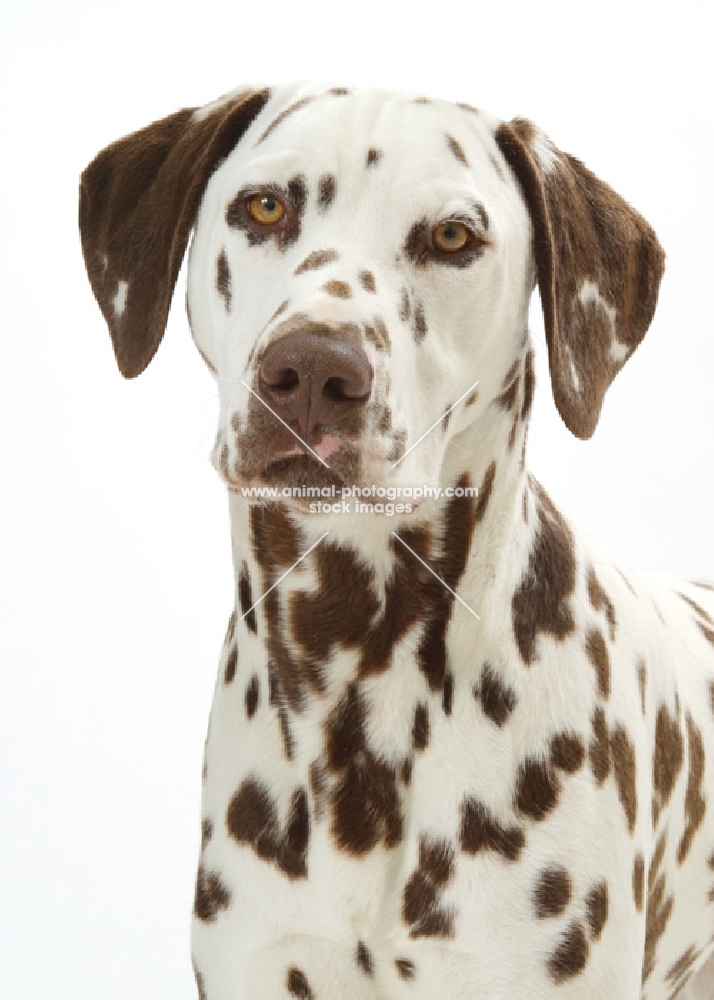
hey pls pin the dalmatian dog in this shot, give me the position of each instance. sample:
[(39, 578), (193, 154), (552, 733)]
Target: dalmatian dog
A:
[(455, 750)]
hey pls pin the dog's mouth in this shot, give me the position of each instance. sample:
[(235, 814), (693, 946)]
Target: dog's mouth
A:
[(300, 473)]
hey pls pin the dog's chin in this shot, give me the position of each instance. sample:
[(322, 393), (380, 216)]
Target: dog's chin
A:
[(300, 474)]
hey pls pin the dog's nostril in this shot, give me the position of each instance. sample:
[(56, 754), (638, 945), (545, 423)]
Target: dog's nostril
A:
[(283, 378), (339, 389)]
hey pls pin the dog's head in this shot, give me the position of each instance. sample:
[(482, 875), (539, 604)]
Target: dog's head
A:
[(360, 261)]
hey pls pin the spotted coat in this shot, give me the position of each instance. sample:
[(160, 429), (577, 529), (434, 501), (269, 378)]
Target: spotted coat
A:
[(455, 750)]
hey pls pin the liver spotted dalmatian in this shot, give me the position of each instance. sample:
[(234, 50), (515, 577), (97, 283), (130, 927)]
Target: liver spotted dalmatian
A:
[(402, 800)]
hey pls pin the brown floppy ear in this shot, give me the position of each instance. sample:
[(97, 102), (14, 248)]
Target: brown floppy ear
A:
[(599, 266), (138, 201)]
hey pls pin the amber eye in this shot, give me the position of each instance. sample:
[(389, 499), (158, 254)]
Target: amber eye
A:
[(449, 237), (265, 209)]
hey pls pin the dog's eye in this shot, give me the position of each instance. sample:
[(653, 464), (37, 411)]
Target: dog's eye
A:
[(265, 209), (450, 237)]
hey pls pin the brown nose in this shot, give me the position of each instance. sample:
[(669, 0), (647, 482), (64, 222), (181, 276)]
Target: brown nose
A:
[(314, 379)]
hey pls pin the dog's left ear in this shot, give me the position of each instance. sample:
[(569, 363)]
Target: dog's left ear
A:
[(599, 266), (138, 201)]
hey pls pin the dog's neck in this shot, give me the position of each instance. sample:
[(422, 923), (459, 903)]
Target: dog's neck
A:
[(368, 578)]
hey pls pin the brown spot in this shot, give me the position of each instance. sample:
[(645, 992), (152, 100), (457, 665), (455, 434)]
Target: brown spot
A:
[(537, 789), (377, 334), (405, 968), (366, 808), (326, 191), (200, 983), (694, 804), (223, 279), (373, 157), (420, 729), (366, 279), (467, 107), (638, 882), (484, 492), (507, 399), (319, 787), (625, 770), (339, 289), (252, 818), (497, 699), (601, 602), (339, 91), (283, 115), (596, 909), (571, 956), (404, 306), (540, 603), (447, 700), (457, 150), (211, 895), (364, 959), (567, 752), (252, 696), (447, 417), (597, 654), (659, 909), (668, 757), (681, 971), (552, 892), (231, 664), (458, 526), (599, 750), (420, 326), (276, 700), (528, 384), (422, 907), (471, 398), (642, 681), (245, 595), (481, 832), (298, 985), (315, 260), (416, 241), (206, 832)]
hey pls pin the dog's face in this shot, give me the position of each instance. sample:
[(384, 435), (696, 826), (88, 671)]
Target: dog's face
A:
[(360, 261)]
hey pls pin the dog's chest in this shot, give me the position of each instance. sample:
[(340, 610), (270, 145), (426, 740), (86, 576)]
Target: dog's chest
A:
[(375, 841)]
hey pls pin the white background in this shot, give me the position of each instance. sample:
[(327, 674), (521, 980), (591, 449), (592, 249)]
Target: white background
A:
[(114, 546)]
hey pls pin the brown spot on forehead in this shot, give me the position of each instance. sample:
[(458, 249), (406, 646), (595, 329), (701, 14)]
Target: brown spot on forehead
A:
[(457, 150), (552, 892), (467, 107), (298, 985), (285, 113), (405, 968), (373, 157), (317, 259), (364, 959), (326, 191), (338, 289)]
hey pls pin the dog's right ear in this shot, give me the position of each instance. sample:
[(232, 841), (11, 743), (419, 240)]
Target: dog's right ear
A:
[(138, 201)]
